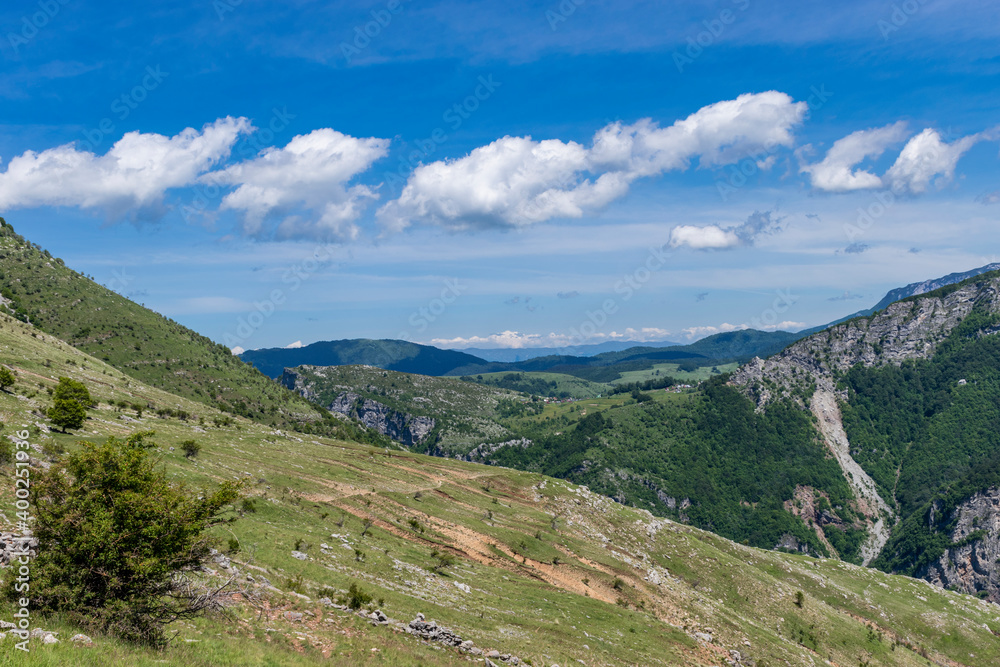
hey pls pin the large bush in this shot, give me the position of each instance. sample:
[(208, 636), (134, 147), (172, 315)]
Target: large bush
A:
[(116, 538)]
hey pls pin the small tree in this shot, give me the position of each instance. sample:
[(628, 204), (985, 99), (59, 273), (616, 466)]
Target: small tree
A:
[(7, 378), (191, 448), (116, 537), (67, 414), (70, 401), (73, 390)]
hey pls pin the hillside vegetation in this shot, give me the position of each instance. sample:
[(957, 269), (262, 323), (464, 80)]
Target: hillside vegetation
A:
[(512, 561), (40, 289)]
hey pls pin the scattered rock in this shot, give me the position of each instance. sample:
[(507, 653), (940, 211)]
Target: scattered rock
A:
[(299, 555), (293, 616), (431, 632), (81, 639)]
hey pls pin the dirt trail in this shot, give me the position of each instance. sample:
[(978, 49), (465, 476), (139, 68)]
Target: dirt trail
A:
[(831, 425)]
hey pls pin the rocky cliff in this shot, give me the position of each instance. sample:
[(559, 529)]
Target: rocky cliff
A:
[(910, 329), (400, 426), (971, 564)]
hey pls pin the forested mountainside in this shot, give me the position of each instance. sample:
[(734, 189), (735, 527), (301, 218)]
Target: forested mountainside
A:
[(918, 386)]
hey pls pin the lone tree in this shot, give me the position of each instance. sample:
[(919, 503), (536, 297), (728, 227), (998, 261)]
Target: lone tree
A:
[(191, 448), (116, 538), (70, 401), (7, 378)]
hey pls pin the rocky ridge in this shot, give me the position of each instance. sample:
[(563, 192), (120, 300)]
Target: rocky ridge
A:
[(971, 564), (910, 329)]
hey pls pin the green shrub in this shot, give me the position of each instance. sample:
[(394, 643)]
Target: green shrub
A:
[(191, 448), (7, 378), (114, 534), (355, 598)]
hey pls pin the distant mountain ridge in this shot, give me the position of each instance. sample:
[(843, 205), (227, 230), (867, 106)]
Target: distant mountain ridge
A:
[(393, 355)]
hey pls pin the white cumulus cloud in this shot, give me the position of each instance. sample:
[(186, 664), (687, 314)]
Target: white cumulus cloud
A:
[(714, 237), (703, 238), (518, 340), (134, 174), (313, 173), (517, 181), (926, 159), (836, 173)]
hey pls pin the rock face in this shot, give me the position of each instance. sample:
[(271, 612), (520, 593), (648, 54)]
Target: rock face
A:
[(905, 330), (973, 566), (400, 426)]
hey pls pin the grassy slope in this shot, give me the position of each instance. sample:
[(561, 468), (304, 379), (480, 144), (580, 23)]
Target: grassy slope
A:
[(505, 528), (143, 344)]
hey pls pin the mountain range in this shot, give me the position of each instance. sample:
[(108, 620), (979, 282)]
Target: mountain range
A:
[(406, 357)]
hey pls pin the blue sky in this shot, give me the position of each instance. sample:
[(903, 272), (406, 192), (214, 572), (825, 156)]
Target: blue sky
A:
[(515, 174)]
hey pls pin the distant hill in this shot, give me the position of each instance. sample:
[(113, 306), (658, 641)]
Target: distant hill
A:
[(392, 355), (508, 354)]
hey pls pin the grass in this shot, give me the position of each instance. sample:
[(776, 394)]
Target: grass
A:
[(505, 529)]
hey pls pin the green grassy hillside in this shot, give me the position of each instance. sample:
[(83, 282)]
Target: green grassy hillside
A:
[(543, 569), (145, 345)]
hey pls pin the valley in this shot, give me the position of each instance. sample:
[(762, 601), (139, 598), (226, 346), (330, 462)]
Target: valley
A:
[(720, 518)]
